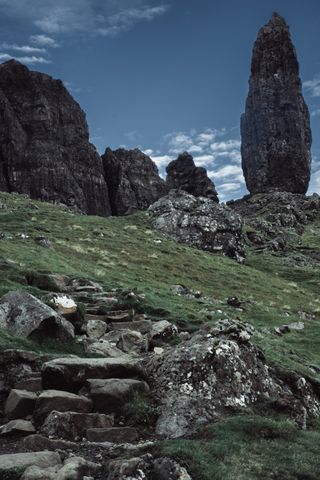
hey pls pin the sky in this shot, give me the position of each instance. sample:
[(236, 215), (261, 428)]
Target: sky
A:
[(163, 75)]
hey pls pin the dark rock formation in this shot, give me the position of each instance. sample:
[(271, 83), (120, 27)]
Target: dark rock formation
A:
[(182, 174), (275, 129), (44, 142), (199, 222), (133, 180)]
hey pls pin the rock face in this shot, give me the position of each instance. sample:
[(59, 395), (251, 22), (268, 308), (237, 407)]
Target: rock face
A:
[(133, 180), (199, 222), (44, 143), (275, 129), (182, 174)]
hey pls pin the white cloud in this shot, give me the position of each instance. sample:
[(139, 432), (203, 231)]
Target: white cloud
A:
[(225, 146), (230, 187), (161, 160), (228, 171), (314, 186), (209, 135), (315, 113), (313, 86), (27, 60), (22, 48), (43, 41), (102, 17), (203, 160)]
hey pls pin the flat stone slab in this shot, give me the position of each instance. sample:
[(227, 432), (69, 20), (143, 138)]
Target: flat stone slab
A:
[(73, 426), (23, 460), (142, 326), (20, 403), (71, 373), (110, 395), (113, 435), (61, 401), (17, 428)]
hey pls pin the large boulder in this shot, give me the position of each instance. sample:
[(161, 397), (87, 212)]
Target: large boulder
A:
[(199, 222), (24, 315), (182, 174), (44, 143), (133, 180), (217, 370), (275, 128)]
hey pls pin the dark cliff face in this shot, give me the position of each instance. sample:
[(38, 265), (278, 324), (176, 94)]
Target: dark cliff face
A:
[(182, 174), (133, 180), (44, 143), (275, 128)]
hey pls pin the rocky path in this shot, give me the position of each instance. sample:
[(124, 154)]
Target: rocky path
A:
[(63, 417)]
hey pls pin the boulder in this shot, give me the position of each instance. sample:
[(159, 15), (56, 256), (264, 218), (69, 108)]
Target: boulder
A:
[(23, 315), (74, 468), (112, 435), (275, 128), (109, 395), (162, 332), (40, 442), (44, 143), (165, 468), (133, 180), (217, 370), (136, 468), (199, 222), (20, 403), (73, 426), (182, 174), (23, 460), (96, 328), (50, 400), (71, 373), (103, 348), (132, 342), (17, 428)]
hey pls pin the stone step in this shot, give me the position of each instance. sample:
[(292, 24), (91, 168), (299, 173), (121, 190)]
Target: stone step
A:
[(142, 326), (20, 404), (109, 395), (71, 373), (50, 400), (73, 426), (113, 435), (31, 384), (17, 428), (112, 317), (42, 459)]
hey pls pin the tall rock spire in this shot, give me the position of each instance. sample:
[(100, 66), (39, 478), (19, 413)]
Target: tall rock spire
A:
[(275, 128)]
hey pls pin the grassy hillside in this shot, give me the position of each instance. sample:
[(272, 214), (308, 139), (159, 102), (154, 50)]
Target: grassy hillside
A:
[(126, 253)]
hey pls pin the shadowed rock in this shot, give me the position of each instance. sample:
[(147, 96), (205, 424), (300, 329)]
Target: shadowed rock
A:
[(182, 174), (133, 180), (44, 142), (275, 128)]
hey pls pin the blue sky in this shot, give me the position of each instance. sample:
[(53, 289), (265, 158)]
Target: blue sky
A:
[(163, 75)]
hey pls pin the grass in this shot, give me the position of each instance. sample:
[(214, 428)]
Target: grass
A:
[(250, 447)]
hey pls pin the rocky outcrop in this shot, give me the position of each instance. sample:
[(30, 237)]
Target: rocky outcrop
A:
[(182, 174), (133, 180), (218, 370), (44, 143), (275, 129), (199, 222)]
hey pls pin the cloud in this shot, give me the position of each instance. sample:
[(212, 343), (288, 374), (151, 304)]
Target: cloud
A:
[(230, 187), (313, 86), (22, 48), (314, 186), (27, 60), (203, 160), (225, 146), (228, 171), (315, 113), (95, 17), (44, 41), (126, 19), (160, 160)]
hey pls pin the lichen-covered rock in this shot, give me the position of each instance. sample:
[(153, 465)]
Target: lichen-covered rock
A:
[(275, 129), (182, 174), (44, 142), (24, 315), (199, 222), (133, 180), (217, 369)]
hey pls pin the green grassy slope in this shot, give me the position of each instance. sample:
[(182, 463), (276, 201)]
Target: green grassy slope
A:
[(124, 252)]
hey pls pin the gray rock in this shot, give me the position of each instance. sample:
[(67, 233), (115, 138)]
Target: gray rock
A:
[(20, 403), (109, 395), (73, 426), (275, 129), (113, 435), (71, 373), (167, 469), (31, 384), (162, 332), (132, 342), (96, 328), (24, 460), (60, 401), (17, 428), (39, 442), (24, 315), (44, 143), (74, 468), (199, 222), (133, 180), (182, 174), (136, 468), (142, 326)]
